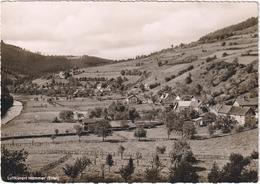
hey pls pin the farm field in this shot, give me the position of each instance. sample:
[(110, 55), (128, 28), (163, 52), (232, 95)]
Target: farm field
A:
[(207, 151)]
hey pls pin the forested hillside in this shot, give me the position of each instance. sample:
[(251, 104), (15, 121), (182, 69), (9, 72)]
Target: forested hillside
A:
[(6, 100), (29, 63), (18, 63), (229, 31)]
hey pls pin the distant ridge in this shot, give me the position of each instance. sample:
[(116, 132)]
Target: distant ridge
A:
[(18, 60)]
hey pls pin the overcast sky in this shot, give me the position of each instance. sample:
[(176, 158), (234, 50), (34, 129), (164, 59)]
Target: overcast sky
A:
[(114, 30)]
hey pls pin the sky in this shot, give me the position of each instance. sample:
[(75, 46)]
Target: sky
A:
[(114, 30)]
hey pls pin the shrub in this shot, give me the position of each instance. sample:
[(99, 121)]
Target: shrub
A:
[(140, 132), (169, 78), (223, 43), (239, 128), (181, 150), (208, 59), (154, 85), (214, 175), (66, 115), (128, 170), (159, 63), (211, 129), (189, 129), (188, 80), (56, 120), (122, 72), (224, 54), (13, 163), (254, 155), (190, 67), (183, 172), (161, 149), (250, 122), (109, 161)]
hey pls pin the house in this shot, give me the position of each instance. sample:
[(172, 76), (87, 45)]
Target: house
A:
[(133, 99), (241, 113), (62, 75), (182, 105), (78, 116), (199, 122), (246, 102), (196, 104), (224, 110), (238, 113), (178, 98), (167, 100)]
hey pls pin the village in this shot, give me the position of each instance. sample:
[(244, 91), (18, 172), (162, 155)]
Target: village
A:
[(187, 113)]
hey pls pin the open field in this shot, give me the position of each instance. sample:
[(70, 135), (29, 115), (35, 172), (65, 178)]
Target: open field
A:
[(207, 151), (43, 151)]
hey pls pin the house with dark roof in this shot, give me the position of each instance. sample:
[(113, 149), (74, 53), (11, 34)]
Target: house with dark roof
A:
[(168, 100), (246, 102), (238, 113), (133, 99)]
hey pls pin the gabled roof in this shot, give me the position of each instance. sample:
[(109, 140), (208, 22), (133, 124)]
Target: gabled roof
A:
[(239, 111), (131, 96), (170, 99), (224, 109), (195, 103), (184, 103), (247, 101)]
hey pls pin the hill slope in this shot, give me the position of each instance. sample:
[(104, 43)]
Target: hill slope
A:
[(229, 31), (17, 61)]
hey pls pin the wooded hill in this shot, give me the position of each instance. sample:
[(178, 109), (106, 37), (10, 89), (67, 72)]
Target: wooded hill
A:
[(229, 31), (20, 61)]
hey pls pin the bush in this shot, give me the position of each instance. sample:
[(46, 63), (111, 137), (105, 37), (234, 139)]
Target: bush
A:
[(254, 155), (66, 115), (189, 129), (159, 63), (250, 122), (224, 54), (183, 172), (239, 128), (208, 59), (181, 150), (190, 67), (161, 149), (211, 129), (56, 120), (154, 85), (13, 163), (188, 80), (214, 175), (169, 78), (225, 130), (122, 72), (140, 132)]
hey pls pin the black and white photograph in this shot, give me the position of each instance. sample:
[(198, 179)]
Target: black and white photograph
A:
[(129, 92)]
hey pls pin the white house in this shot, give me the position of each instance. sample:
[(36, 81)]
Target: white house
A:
[(240, 114)]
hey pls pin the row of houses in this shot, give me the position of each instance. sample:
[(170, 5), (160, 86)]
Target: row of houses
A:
[(240, 109)]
